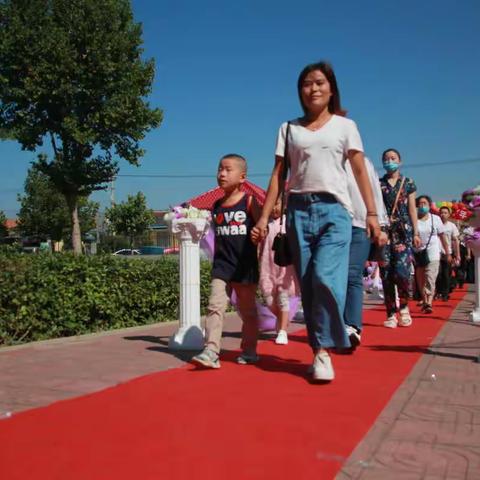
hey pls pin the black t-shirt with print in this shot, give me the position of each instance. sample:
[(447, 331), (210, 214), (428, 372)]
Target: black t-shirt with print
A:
[(235, 256)]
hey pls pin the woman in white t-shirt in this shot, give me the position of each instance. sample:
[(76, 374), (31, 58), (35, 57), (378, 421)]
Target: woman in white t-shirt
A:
[(431, 231), (319, 208)]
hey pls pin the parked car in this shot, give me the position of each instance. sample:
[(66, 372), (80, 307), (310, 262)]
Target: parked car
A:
[(171, 250), (151, 250), (127, 251)]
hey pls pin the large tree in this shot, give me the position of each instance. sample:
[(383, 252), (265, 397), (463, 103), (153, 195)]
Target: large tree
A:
[(131, 218), (72, 74), (44, 211), (3, 226)]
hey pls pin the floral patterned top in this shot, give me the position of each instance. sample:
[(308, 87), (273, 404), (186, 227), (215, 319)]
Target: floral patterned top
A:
[(401, 228)]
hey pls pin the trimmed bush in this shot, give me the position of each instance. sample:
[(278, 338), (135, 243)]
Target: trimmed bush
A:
[(48, 296)]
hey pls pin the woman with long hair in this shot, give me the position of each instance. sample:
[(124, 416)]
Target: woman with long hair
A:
[(319, 208)]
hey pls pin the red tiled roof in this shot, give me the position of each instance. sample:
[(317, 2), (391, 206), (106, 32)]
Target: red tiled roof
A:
[(11, 223), (207, 199)]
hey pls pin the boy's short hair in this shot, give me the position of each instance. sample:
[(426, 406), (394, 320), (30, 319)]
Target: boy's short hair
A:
[(242, 161), (444, 207)]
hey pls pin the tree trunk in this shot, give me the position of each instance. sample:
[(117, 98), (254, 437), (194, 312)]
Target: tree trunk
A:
[(72, 201)]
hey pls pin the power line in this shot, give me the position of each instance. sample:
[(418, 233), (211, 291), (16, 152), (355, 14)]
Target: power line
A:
[(418, 165), (154, 175), (250, 175), (447, 162)]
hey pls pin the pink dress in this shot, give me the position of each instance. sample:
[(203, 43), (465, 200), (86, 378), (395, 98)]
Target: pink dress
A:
[(274, 279)]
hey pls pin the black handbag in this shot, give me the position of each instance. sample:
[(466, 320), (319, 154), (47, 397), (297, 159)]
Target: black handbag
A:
[(282, 254), (377, 253), (421, 257)]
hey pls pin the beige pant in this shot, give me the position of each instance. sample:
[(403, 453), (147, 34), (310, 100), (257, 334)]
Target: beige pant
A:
[(426, 278), (247, 309)]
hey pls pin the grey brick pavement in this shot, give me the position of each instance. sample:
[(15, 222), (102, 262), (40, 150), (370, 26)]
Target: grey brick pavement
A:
[(430, 429), (40, 373)]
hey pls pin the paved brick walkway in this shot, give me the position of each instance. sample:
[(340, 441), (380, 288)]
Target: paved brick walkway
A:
[(40, 373), (429, 430)]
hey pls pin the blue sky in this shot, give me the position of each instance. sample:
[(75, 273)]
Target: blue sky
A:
[(226, 74)]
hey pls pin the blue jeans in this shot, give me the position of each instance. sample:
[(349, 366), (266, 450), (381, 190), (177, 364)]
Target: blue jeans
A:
[(359, 249), (319, 231)]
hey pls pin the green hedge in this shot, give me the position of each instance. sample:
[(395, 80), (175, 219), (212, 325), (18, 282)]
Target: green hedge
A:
[(48, 296)]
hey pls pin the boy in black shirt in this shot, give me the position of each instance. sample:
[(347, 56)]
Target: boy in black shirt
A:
[(235, 264)]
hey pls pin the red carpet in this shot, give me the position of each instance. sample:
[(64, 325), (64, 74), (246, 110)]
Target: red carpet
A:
[(239, 422)]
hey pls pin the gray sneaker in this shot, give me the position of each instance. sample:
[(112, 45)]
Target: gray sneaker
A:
[(322, 368), (247, 358), (207, 358)]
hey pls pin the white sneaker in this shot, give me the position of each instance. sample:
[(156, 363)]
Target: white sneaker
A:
[(391, 322), (405, 318), (282, 338), (322, 368), (353, 336)]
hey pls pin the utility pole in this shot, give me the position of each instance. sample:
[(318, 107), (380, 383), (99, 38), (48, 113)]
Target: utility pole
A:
[(112, 192)]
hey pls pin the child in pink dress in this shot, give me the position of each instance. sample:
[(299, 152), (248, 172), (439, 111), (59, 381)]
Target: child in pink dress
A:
[(277, 284)]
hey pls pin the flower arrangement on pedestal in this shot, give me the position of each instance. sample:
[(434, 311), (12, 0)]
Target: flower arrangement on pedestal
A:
[(190, 212), (471, 235), (188, 221), (471, 198)]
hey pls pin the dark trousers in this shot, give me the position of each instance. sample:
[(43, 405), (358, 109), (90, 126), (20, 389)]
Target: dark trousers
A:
[(444, 278)]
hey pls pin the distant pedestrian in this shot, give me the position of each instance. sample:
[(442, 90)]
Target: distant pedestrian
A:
[(464, 271), (399, 199), (444, 278), (432, 235)]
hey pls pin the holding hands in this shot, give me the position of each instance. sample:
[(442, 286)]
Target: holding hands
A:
[(259, 231)]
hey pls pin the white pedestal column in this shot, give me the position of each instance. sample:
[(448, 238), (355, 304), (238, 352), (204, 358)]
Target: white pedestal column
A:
[(475, 248), (190, 333)]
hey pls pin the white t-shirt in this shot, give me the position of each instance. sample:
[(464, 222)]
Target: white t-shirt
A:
[(317, 158), (424, 229), (451, 232), (359, 208)]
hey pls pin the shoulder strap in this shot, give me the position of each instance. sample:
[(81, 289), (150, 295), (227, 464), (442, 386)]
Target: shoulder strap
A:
[(285, 168), (249, 203), (216, 204), (431, 231), (396, 199)]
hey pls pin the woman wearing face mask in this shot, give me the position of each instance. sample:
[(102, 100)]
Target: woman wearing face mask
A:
[(432, 232), (399, 199)]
